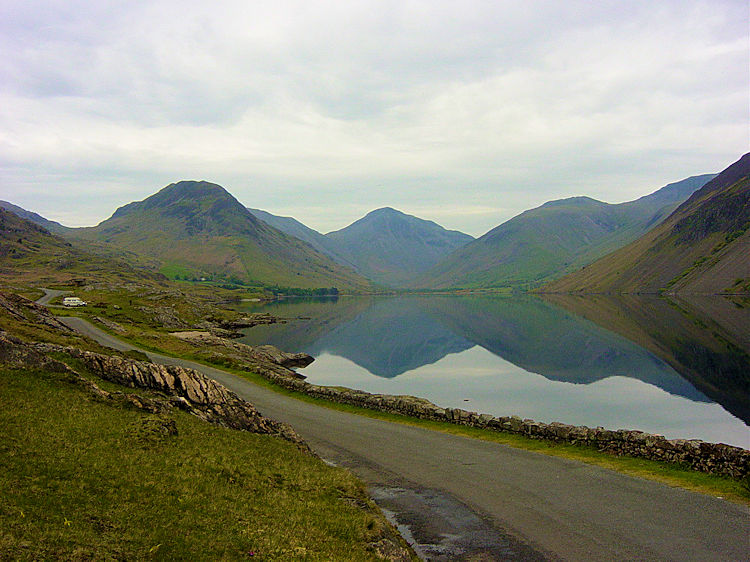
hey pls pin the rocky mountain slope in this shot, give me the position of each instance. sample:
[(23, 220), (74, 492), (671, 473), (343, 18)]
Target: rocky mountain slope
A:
[(557, 237), (293, 227), (702, 247), (386, 246), (199, 228)]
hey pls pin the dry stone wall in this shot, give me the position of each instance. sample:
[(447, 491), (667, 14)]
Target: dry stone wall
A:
[(712, 458)]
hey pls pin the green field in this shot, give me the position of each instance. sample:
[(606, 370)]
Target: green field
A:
[(85, 479)]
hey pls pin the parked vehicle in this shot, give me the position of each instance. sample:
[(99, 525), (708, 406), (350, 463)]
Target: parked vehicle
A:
[(73, 301)]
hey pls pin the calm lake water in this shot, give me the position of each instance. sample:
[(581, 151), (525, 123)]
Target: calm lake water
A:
[(662, 367)]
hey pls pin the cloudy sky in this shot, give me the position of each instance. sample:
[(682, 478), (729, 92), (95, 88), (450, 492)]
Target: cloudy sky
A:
[(462, 112)]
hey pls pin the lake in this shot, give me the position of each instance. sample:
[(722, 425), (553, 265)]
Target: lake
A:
[(672, 367)]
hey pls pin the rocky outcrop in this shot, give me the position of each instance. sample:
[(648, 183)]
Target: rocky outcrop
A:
[(24, 310), (264, 359), (256, 319), (184, 388), (713, 458), (16, 353), (109, 324), (230, 328)]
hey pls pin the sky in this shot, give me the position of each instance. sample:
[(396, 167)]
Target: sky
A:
[(465, 113)]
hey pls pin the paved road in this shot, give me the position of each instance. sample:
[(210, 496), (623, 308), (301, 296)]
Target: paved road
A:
[(50, 294), (509, 503)]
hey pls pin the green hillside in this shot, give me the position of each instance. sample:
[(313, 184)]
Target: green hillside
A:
[(198, 229), (31, 254), (701, 248), (392, 248), (560, 236)]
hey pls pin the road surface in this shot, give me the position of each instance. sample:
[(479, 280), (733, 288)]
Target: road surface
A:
[(462, 497)]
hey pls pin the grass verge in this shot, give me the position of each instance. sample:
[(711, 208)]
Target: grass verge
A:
[(84, 479)]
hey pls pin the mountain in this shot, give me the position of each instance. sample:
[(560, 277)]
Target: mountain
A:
[(49, 225), (32, 254), (702, 247), (199, 229), (558, 237), (391, 248), (293, 227)]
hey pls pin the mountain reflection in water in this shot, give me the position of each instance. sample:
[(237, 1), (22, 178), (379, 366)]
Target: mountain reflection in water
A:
[(561, 338)]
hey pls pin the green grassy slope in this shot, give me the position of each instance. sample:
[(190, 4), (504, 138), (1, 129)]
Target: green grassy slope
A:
[(392, 248), (29, 253), (201, 228), (556, 238), (83, 477), (702, 247)]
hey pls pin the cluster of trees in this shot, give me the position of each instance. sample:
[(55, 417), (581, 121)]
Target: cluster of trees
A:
[(297, 292)]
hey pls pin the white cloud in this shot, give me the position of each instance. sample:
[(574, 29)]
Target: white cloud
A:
[(420, 105)]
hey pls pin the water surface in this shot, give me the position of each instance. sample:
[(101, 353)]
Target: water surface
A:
[(528, 357)]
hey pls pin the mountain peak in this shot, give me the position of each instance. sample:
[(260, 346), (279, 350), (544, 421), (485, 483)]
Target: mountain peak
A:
[(200, 227), (391, 247), (174, 193), (578, 201), (386, 211)]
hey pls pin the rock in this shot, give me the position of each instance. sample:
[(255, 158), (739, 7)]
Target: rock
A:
[(389, 550), (188, 389), (16, 353), (202, 396), (25, 310), (262, 359), (275, 355), (114, 326)]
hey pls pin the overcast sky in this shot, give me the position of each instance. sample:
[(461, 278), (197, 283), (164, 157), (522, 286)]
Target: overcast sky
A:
[(465, 113)]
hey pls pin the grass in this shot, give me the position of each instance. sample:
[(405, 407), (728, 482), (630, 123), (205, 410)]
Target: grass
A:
[(88, 479)]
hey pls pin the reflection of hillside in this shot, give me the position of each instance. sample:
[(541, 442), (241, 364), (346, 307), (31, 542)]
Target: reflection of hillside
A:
[(308, 320), (386, 336), (704, 338), (545, 339), (391, 337)]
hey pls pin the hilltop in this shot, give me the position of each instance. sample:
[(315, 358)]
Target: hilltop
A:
[(392, 248)]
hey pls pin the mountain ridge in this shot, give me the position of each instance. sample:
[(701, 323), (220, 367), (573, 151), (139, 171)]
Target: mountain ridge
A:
[(702, 247), (386, 245), (391, 247), (50, 225), (557, 237)]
